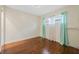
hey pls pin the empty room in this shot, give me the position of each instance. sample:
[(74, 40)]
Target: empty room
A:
[(39, 29)]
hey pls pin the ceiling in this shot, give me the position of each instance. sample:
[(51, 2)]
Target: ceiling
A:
[(36, 9)]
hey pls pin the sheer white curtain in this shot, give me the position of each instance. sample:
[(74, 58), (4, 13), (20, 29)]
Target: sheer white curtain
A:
[(54, 29)]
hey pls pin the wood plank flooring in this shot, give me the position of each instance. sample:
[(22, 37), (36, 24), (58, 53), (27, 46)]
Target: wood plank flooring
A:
[(36, 46)]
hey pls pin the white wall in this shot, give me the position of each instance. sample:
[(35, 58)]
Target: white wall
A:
[(20, 25), (0, 28), (0, 22), (73, 26), (73, 23)]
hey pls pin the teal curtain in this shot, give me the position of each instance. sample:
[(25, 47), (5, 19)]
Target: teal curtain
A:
[(43, 27), (64, 29)]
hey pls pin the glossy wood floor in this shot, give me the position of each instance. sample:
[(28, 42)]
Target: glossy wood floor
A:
[(36, 46)]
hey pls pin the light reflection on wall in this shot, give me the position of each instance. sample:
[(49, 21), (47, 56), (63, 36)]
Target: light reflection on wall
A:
[(54, 20)]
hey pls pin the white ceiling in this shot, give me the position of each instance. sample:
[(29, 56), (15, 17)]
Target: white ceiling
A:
[(36, 9)]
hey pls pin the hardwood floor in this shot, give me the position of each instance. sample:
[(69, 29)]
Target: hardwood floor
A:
[(54, 47), (36, 46), (70, 50), (33, 45)]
